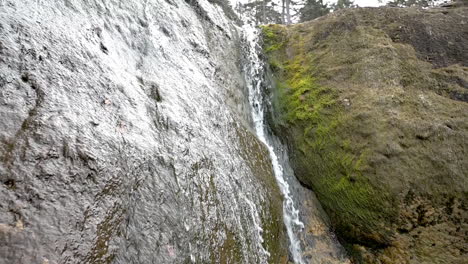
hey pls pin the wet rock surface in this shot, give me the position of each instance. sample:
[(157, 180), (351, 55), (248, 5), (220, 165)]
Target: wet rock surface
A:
[(310, 235), (317, 239), (124, 137)]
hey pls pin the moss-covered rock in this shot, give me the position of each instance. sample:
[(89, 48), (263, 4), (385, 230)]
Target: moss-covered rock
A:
[(372, 103), (275, 238)]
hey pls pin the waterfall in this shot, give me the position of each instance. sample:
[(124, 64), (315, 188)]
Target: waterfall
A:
[(254, 72)]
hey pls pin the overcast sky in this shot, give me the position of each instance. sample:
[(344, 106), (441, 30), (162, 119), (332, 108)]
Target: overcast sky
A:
[(366, 2), (361, 3)]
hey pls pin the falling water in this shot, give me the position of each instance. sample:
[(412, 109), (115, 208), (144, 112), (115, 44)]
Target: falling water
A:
[(254, 72)]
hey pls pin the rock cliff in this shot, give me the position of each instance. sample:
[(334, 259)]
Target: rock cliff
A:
[(373, 105), (125, 137)]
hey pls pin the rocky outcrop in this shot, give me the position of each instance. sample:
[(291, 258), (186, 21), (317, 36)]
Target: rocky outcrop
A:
[(372, 103), (124, 137)]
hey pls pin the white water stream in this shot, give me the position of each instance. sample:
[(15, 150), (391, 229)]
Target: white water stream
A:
[(254, 76)]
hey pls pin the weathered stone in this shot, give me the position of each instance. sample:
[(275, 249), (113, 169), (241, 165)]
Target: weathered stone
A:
[(119, 137), (368, 101)]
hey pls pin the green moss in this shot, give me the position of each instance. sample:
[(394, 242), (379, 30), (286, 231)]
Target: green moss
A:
[(273, 37), (231, 250), (273, 232), (376, 123), (327, 161)]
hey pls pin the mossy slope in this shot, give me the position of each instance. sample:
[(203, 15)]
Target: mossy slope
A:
[(377, 123)]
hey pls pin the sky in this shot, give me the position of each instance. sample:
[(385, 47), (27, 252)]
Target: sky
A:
[(361, 3)]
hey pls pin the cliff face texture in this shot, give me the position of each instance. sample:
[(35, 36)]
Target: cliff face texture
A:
[(373, 105), (124, 137)]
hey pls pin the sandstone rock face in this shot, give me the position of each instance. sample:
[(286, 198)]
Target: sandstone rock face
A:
[(124, 137), (372, 102)]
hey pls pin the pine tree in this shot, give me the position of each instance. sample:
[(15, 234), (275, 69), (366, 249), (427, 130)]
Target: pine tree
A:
[(340, 4), (407, 3), (313, 9), (263, 11)]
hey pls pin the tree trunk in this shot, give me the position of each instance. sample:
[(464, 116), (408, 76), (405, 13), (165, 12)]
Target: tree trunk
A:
[(283, 15), (264, 11)]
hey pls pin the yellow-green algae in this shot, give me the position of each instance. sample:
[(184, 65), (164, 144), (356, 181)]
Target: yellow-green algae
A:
[(311, 110)]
